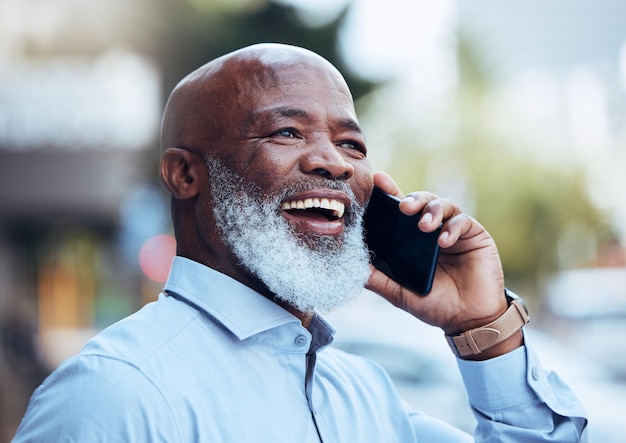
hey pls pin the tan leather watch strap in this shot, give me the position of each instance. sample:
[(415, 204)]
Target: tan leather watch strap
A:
[(476, 340)]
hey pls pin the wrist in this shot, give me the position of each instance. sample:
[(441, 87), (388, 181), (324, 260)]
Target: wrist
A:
[(462, 326), (494, 338), (510, 344)]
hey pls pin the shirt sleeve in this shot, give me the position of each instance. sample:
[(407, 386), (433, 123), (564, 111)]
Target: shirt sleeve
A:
[(78, 404), (514, 399)]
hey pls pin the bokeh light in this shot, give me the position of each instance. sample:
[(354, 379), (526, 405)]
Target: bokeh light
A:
[(155, 257)]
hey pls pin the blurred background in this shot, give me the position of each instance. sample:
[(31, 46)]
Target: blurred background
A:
[(517, 110)]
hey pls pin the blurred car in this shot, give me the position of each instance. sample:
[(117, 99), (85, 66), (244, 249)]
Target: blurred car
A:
[(587, 293), (418, 359), (587, 311)]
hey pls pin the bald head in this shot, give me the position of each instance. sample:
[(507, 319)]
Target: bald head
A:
[(202, 105)]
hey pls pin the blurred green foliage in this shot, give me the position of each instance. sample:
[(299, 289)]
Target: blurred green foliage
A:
[(187, 34), (529, 207)]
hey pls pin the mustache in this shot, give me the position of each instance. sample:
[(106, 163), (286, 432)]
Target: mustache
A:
[(354, 212)]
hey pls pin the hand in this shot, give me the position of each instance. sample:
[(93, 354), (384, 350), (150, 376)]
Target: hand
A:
[(468, 290)]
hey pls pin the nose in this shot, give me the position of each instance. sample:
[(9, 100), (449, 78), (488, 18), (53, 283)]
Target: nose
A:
[(324, 158)]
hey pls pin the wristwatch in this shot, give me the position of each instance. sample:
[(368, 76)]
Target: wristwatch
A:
[(476, 340)]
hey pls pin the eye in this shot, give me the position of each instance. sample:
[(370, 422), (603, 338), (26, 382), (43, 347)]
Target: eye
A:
[(355, 146), (286, 132)]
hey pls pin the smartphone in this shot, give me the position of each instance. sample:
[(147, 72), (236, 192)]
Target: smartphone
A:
[(397, 246)]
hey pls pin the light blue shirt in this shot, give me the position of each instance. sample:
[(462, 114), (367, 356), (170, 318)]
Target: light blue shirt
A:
[(214, 361)]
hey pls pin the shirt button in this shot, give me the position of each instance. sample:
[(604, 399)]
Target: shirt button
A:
[(535, 373), (301, 340)]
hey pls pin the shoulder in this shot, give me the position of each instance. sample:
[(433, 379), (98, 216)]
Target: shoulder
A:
[(125, 379), (89, 397), (115, 383), (146, 333)]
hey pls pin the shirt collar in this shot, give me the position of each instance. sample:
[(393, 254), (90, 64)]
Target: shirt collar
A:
[(239, 308)]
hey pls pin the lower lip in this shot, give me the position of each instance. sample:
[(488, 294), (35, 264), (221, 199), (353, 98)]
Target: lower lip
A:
[(333, 228)]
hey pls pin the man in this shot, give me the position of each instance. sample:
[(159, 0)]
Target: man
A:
[(267, 168)]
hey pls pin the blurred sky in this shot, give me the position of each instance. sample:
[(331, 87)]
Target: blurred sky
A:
[(383, 38)]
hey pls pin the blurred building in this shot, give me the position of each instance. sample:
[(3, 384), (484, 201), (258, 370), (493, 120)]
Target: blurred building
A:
[(79, 119), (84, 225)]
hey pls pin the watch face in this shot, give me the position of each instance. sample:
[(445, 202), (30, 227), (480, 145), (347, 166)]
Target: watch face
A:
[(510, 296)]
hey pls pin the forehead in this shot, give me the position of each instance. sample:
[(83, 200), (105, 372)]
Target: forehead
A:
[(299, 90)]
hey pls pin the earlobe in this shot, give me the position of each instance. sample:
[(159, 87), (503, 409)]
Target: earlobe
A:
[(177, 173)]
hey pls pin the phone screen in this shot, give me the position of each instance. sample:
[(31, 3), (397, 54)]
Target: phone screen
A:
[(397, 246)]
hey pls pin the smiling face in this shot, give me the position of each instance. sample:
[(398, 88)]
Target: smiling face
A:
[(293, 121), (282, 120)]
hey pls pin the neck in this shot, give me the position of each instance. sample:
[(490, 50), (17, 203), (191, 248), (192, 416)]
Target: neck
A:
[(305, 317)]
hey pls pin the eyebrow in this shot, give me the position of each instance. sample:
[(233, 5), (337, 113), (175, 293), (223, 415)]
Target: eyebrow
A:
[(286, 111)]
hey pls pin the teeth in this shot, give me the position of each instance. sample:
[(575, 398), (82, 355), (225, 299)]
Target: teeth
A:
[(336, 206)]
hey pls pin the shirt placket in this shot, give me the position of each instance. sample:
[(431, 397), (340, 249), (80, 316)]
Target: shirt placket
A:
[(320, 337)]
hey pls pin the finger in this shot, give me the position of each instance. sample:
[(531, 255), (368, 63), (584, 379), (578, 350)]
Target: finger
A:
[(416, 201), (435, 210), (384, 181), (457, 227)]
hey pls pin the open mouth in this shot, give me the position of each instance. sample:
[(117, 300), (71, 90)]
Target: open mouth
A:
[(326, 208)]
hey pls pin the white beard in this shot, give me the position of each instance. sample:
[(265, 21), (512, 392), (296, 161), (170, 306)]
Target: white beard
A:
[(323, 276)]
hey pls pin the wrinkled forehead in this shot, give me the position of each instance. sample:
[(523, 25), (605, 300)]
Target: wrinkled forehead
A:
[(266, 78)]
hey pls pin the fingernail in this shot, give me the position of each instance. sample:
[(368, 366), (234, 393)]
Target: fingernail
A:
[(444, 235), (427, 218)]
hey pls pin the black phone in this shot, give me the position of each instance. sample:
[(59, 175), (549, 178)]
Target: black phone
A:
[(397, 246)]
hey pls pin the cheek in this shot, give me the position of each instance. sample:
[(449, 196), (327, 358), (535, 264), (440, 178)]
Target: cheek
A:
[(363, 182), (267, 168)]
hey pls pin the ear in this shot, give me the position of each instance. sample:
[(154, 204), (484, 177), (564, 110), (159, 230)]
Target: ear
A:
[(178, 174)]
